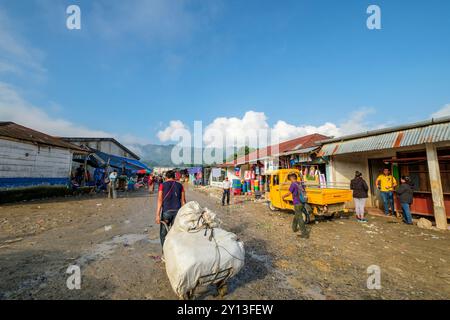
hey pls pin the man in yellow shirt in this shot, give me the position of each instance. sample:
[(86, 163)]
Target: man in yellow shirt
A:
[(386, 183)]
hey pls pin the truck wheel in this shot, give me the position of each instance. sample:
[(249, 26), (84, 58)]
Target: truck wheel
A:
[(271, 206)]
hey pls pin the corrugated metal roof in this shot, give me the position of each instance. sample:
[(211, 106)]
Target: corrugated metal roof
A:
[(83, 140), (14, 131), (299, 151), (434, 133), (404, 138), (270, 151)]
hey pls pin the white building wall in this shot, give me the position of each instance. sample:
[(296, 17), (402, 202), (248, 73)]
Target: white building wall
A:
[(342, 170), (23, 160), (104, 146), (111, 148)]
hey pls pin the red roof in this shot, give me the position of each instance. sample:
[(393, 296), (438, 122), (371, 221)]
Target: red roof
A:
[(300, 142)]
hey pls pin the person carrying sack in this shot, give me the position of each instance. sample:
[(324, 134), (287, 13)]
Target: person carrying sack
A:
[(171, 197), (299, 199)]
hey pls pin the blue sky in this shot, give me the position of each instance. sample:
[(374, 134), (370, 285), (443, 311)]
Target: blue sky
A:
[(137, 65)]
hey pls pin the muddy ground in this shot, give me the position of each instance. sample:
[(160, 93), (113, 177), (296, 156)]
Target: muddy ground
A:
[(116, 244)]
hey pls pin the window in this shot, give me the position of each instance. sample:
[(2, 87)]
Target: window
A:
[(418, 173), (445, 175), (417, 170)]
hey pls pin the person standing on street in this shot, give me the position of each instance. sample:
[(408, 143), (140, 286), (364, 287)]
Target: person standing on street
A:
[(112, 185), (386, 183), (151, 183), (79, 174), (360, 195), (298, 192), (405, 194), (171, 197), (226, 186)]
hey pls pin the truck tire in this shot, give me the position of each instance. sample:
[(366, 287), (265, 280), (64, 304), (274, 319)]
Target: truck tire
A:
[(271, 206)]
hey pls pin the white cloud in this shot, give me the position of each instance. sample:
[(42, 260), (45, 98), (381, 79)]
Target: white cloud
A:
[(16, 55), (443, 112), (234, 129), (168, 133), (240, 129), (285, 131), (357, 122), (14, 108)]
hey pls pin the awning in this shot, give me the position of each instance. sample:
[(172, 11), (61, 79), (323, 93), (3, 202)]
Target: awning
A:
[(194, 170), (119, 162), (403, 138)]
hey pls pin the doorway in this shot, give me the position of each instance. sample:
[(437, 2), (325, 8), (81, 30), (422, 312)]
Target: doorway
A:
[(376, 167)]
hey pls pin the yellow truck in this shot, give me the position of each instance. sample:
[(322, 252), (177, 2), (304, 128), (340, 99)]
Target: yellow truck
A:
[(321, 201)]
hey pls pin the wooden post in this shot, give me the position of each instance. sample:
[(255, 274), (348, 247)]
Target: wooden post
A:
[(436, 187)]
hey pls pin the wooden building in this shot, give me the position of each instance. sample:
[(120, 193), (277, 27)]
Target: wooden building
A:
[(30, 158)]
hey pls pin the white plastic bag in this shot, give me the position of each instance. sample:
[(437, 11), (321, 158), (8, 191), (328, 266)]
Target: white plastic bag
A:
[(193, 257), (190, 256)]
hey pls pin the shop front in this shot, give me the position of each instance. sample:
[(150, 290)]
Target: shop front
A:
[(414, 165), (420, 151)]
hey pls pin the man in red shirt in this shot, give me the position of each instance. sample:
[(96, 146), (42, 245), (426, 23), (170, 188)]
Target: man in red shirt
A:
[(151, 184), (171, 197)]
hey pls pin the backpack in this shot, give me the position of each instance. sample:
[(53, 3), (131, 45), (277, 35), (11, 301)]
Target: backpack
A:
[(302, 193)]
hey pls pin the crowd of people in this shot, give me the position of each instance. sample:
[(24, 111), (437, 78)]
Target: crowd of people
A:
[(133, 182), (113, 180)]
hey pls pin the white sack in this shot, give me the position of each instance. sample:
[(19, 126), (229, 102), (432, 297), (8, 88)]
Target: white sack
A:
[(189, 256), (188, 216)]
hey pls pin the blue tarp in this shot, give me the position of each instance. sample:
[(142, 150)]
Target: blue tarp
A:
[(194, 170), (119, 162)]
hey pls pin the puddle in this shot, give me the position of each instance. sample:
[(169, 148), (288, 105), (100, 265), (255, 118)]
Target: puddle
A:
[(104, 249)]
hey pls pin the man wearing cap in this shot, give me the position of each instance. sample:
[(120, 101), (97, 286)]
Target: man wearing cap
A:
[(226, 186), (297, 190), (386, 183)]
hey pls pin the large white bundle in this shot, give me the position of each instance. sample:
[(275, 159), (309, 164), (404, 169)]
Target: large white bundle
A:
[(190, 256), (192, 217)]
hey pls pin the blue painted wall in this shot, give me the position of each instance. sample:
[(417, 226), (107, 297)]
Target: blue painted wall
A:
[(11, 183)]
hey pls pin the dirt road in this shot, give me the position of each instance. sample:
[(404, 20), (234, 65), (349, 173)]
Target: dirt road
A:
[(116, 245)]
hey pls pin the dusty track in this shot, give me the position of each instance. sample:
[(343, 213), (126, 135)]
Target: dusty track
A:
[(39, 240)]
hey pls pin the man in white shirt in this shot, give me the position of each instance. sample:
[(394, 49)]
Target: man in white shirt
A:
[(112, 185), (226, 186)]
